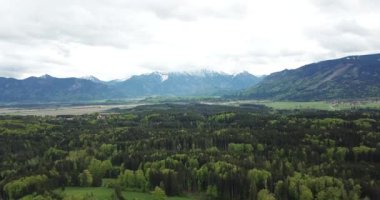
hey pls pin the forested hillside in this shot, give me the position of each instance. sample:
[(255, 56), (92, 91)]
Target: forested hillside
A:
[(215, 152), (352, 77)]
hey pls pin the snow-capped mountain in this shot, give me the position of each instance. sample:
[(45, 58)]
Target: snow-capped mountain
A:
[(186, 83), (48, 88), (92, 78)]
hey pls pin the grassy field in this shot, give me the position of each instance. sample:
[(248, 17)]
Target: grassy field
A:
[(318, 105), (299, 105), (50, 110), (322, 105), (102, 193)]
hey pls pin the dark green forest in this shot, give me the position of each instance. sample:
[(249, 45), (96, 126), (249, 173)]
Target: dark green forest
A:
[(217, 152)]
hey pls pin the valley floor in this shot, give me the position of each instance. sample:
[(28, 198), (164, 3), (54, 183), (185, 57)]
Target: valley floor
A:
[(54, 110), (64, 110), (292, 105)]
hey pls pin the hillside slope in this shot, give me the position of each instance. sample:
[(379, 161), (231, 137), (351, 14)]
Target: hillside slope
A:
[(350, 77)]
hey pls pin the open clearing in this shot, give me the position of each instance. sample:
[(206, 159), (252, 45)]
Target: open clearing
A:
[(323, 105), (54, 110), (102, 193), (64, 110), (318, 105)]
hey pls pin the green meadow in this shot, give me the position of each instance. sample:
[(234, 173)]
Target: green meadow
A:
[(322, 105), (102, 193)]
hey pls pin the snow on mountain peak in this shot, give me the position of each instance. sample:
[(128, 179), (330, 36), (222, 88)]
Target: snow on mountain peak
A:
[(91, 78), (164, 77), (45, 76)]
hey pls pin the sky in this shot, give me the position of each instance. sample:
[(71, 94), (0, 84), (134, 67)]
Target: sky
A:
[(119, 38)]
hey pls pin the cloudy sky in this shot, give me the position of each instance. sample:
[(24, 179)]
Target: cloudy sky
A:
[(115, 39)]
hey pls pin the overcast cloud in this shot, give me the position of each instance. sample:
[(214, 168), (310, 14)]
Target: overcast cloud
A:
[(118, 38)]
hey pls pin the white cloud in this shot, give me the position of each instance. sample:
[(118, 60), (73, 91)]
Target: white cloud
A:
[(115, 39)]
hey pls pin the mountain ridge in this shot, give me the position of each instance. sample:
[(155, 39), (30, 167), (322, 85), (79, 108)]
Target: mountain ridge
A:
[(48, 88), (350, 77)]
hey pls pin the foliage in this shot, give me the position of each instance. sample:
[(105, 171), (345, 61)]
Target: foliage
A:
[(182, 148), (265, 195), (159, 194), (20, 187)]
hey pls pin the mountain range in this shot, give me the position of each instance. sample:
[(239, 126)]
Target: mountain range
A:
[(352, 77), (51, 89), (185, 84)]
